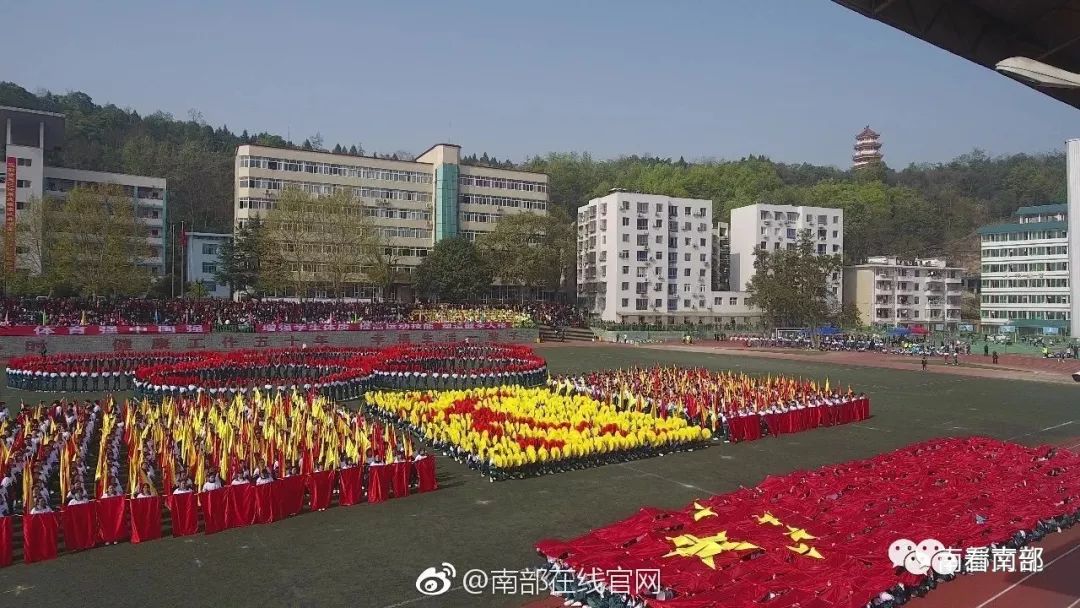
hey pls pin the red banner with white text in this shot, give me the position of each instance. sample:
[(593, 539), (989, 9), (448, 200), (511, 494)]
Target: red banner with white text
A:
[(101, 330), (287, 327)]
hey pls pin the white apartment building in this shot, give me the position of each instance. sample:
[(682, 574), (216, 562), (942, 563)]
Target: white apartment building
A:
[(28, 135), (415, 203), (894, 292), (776, 227), (203, 259), (1025, 272), (647, 258)]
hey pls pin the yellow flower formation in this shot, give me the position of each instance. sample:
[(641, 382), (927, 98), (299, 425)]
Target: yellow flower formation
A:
[(510, 428)]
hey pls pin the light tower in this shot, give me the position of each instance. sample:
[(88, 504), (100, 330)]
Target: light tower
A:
[(867, 148)]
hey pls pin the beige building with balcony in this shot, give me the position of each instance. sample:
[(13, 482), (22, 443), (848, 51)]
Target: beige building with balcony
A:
[(415, 203), (895, 292), (28, 135)]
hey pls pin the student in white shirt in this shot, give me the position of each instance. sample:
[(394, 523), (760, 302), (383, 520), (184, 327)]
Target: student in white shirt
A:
[(40, 507)]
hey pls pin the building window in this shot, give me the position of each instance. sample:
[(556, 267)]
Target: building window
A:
[(209, 249), (210, 286), (209, 268), (625, 221), (790, 233), (625, 302), (836, 219), (686, 272), (25, 162), (625, 286), (22, 183), (642, 224), (733, 301)]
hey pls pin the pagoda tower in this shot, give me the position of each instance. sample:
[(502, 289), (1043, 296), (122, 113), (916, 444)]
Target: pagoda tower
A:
[(867, 148)]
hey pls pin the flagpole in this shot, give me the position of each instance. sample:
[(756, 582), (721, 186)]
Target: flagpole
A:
[(183, 256)]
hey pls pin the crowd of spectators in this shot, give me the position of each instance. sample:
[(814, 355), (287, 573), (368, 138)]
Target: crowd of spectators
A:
[(247, 313)]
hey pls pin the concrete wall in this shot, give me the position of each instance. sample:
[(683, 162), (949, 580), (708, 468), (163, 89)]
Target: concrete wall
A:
[(11, 346)]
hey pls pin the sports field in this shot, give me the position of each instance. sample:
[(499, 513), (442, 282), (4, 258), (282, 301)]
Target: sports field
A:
[(370, 555)]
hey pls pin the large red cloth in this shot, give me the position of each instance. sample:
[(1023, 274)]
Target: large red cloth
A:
[(112, 518), (265, 511), (961, 492), (289, 495), (241, 509), (378, 483), (351, 485), (400, 473), (215, 509), (39, 537), (184, 511), (80, 526), (425, 474), (744, 428), (321, 485), (145, 518), (5, 541)]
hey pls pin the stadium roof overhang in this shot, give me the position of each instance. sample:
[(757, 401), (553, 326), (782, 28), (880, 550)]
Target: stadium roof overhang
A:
[(989, 31)]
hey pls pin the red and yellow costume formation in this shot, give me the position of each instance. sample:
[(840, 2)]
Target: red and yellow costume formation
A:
[(739, 406), (822, 538), (512, 431), (238, 461)]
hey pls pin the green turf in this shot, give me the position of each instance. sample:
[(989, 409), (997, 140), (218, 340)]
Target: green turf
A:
[(370, 555)]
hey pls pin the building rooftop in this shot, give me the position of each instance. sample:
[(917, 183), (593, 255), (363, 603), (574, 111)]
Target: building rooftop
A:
[(24, 126), (1040, 209), (867, 133), (1014, 227)]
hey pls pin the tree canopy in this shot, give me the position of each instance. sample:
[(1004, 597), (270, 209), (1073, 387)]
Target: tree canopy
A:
[(453, 272), (794, 287)]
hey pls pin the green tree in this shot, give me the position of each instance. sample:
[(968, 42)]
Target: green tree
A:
[(794, 287), (530, 250), (241, 259), (196, 291), (453, 272), (94, 244)]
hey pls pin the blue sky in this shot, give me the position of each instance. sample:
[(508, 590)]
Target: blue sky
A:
[(792, 79)]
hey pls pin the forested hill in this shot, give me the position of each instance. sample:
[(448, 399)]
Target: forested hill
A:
[(924, 209)]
